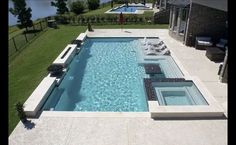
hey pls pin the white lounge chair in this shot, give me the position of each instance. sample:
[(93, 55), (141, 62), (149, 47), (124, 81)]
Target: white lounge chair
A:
[(144, 41), (222, 43), (151, 52), (161, 48), (202, 42), (162, 51), (155, 42)]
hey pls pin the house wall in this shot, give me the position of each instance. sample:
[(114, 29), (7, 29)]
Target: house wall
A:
[(217, 4), (205, 21)]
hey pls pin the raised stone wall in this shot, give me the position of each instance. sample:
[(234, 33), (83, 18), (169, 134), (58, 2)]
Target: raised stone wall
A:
[(205, 21)]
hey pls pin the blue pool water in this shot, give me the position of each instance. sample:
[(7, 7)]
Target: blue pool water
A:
[(104, 76), (126, 9), (178, 93)]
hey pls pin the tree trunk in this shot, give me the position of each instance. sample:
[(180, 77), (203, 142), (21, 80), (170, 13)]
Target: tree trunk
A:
[(26, 29)]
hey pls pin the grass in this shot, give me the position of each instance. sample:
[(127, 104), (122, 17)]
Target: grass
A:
[(13, 29), (29, 67), (99, 11)]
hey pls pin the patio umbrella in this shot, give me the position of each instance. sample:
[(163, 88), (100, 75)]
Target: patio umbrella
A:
[(121, 19)]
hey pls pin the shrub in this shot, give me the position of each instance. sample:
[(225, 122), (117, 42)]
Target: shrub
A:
[(119, 1), (55, 69), (20, 111), (77, 7), (93, 4)]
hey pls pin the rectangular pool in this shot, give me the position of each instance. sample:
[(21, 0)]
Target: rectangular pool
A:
[(104, 76)]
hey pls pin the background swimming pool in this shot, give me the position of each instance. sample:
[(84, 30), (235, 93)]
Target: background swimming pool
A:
[(126, 9), (104, 76)]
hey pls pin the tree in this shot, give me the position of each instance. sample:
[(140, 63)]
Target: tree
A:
[(93, 4), (61, 6), (77, 7), (23, 14), (111, 3)]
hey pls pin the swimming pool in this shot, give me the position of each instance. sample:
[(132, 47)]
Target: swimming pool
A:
[(130, 9), (126, 9), (104, 76)]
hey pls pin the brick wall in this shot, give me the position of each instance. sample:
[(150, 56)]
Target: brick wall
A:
[(205, 21)]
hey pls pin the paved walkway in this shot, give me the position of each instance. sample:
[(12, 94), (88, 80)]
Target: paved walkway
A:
[(140, 130)]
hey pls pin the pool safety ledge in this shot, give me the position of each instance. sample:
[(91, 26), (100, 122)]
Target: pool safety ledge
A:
[(38, 97), (213, 109)]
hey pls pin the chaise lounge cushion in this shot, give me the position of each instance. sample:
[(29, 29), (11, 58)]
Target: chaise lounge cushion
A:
[(202, 42)]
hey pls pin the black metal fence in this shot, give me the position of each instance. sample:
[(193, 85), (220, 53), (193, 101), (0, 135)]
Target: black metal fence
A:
[(17, 42)]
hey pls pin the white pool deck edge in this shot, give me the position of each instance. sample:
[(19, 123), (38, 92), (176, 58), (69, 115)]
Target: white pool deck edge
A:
[(39, 95)]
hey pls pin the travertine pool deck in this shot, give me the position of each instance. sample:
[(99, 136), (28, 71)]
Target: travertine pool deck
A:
[(135, 128)]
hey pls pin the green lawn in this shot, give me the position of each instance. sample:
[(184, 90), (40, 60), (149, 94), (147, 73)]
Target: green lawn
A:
[(29, 67), (100, 10)]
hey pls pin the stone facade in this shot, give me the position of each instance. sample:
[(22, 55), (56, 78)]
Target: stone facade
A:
[(205, 21)]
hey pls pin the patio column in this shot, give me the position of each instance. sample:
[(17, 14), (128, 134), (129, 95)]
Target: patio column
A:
[(224, 70), (173, 17), (179, 20)]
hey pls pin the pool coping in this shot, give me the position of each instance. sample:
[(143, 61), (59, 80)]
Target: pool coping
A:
[(214, 109), (94, 114)]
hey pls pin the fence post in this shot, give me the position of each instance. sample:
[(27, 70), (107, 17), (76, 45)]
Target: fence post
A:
[(40, 26), (34, 30), (26, 37), (13, 39)]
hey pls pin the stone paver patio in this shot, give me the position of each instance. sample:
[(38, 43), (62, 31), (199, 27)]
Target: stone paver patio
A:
[(128, 129)]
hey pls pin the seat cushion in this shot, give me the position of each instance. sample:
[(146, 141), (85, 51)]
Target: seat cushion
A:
[(205, 43)]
